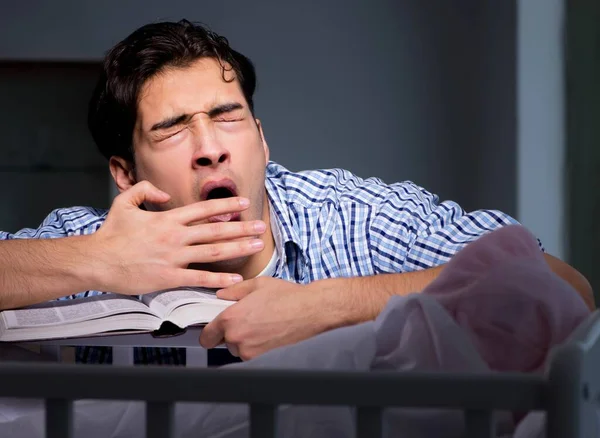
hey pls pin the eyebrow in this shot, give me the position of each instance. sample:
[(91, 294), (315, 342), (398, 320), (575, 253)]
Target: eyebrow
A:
[(170, 122), (182, 118), (224, 108)]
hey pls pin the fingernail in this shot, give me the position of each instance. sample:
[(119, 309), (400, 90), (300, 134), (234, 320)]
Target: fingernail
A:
[(256, 244), (260, 227), (244, 202), (235, 279)]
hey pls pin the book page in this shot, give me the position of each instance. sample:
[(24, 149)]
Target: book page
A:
[(69, 311), (164, 302)]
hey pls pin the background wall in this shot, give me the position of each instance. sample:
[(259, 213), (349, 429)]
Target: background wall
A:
[(426, 91), (47, 158), (583, 133), (541, 126)]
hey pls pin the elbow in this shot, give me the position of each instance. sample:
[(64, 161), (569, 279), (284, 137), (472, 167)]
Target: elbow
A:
[(584, 288), (574, 278)]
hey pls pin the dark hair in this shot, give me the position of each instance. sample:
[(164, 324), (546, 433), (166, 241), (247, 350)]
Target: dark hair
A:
[(147, 51)]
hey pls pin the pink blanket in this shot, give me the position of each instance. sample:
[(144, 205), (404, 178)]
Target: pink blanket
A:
[(504, 295)]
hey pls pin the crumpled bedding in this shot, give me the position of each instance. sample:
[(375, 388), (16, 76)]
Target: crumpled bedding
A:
[(495, 307)]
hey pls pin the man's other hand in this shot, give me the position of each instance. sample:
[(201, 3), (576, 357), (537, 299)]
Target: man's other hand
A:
[(270, 313)]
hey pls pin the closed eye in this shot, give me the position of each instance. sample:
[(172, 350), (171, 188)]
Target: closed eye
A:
[(170, 135), (229, 119)]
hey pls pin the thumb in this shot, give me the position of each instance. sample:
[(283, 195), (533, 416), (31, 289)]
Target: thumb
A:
[(235, 292), (144, 191)]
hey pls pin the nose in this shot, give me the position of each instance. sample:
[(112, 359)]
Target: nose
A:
[(210, 154)]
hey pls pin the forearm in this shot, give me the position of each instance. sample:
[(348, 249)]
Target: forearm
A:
[(358, 299), (37, 270), (574, 278)]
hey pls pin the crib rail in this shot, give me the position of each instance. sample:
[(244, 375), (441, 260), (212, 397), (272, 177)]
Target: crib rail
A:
[(574, 383), (264, 390), (569, 392)]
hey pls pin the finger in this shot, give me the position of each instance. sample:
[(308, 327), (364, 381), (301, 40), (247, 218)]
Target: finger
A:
[(213, 333), (233, 349), (210, 280), (142, 192), (215, 252), (202, 210), (237, 291), (222, 231)]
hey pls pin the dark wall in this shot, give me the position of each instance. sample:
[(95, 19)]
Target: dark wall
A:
[(397, 89), (583, 152)]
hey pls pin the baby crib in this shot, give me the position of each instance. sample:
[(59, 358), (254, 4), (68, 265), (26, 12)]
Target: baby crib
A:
[(569, 392)]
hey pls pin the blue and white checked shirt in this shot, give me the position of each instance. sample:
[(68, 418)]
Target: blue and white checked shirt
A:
[(326, 223)]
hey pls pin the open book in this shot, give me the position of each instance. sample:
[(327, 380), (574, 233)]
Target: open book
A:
[(110, 314)]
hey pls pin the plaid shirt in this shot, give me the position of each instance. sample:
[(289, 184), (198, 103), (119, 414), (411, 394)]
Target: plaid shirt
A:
[(326, 223)]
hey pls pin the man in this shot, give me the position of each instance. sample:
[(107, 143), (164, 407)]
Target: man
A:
[(202, 205)]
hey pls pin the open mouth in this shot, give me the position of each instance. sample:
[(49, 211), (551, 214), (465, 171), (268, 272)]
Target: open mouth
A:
[(220, 190), (219, 193)]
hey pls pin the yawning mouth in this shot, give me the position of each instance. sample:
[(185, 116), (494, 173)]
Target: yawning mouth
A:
[(219, 193), (220, 190)]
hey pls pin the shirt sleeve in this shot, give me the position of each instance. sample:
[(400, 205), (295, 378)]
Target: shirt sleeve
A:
[(411, 230), (59, 223), (53, 226)]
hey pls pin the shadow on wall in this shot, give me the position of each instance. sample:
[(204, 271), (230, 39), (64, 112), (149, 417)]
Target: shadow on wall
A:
[(583, 138), (48, 157)]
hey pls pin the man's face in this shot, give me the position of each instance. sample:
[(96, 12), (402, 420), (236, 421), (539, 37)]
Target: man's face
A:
[(196, 139), (195, 134)]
